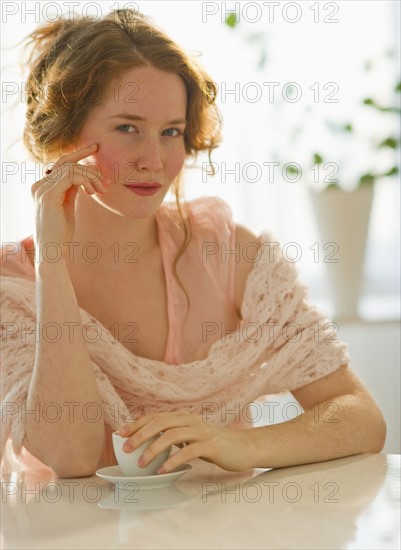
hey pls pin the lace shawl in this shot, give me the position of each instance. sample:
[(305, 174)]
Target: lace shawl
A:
[(283, 343)]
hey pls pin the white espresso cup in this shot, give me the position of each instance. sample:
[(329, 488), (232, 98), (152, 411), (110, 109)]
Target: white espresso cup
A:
[(128, 461)]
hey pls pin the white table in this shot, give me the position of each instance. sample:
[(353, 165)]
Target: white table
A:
[(352, 502)]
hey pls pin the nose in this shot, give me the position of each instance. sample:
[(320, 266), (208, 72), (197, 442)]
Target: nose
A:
[(148, 156)]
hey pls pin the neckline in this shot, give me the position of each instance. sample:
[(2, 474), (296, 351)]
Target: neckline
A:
[(168, 284), (163, 237)]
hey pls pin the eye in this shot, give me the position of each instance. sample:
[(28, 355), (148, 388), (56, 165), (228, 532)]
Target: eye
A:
[(125, 128), (177, 130)]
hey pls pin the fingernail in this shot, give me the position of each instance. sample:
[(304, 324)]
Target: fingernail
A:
[(127, 447), (161, 471)]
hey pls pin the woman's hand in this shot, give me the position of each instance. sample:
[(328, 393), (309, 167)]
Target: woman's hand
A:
[(231, 449), (55, 195)]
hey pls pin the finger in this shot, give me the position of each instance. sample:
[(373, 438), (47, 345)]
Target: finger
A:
[(52, 188), (150, 425), (77, 155), (166, 441), (56, 193), (93, 174), (71, 172), (157, 425), (127, 428), (69, 175), (70, 197), (195, 450), (169, 417), (89, 188)]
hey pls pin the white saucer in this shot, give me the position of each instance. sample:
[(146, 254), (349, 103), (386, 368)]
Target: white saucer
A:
[(135, 483)]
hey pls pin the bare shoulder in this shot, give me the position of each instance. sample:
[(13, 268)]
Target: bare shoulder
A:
[(15, 261), (247, 246), (9, 264)]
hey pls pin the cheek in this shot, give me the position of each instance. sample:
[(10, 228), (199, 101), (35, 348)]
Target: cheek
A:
[(106, 161), (175, 162), (113, 165)]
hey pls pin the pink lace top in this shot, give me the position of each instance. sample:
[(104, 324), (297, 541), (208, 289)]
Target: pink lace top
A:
[(232, 371)]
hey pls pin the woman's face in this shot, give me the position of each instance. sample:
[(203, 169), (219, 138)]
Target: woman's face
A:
[(139, 127)]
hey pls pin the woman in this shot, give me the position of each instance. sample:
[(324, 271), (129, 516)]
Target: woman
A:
[(165, 318)]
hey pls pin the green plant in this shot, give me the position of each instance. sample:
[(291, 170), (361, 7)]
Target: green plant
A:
[(390, 142), (365, 177)]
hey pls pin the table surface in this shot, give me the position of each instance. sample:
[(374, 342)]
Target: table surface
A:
[(351, 502)]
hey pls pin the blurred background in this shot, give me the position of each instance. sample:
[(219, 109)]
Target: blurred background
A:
[(310, 97)]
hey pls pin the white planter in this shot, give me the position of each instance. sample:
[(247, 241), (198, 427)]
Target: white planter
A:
[(343, 218)]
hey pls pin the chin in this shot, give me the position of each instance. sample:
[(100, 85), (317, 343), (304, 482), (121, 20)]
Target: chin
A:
[(134, 211)]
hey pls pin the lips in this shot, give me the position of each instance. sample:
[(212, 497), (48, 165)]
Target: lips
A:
[(144, 185), (144, 188)]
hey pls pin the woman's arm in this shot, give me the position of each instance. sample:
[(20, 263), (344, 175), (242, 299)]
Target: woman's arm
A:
[(341, 418), (63, 375), (62, 372), (357, 426)]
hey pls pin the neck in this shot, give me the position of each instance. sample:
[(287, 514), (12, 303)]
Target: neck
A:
[(112, 232)]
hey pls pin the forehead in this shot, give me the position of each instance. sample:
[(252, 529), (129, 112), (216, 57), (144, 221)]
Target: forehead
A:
[(146, 91)]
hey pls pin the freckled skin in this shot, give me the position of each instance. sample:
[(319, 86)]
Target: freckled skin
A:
[(131, 151)]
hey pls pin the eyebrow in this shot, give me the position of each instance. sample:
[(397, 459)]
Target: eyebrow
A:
[(136, 117)]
